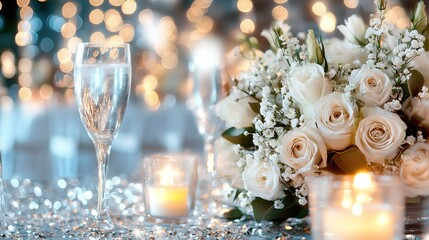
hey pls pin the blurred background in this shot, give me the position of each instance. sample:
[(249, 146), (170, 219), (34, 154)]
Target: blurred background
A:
[(41, 136)]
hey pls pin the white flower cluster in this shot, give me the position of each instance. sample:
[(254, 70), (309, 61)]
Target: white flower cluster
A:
[(317, 102)]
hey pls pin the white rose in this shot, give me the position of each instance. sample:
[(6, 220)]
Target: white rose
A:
[(263, 179), (235, 110), (354, 30), (307, 84), (343, 52), (379, 135), (335, 118), (421, 64), (226, 162), (303, 149), (415, 170), (372, 86)]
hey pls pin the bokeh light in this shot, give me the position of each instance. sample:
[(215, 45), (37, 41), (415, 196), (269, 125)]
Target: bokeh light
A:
[(23, 38), (129, 7), (244, 5), (113, 20), (116, 3), (116, 39), (68, 30), (280, 13), (205, 25), (96, 3), (328, 22), (25, 65), (127, 32), (25, 80), (96, 16), (22, 3), (26, 13), (72, 44), (150, 82), (46, 91), (25, 94), (398, 16), (69, 10), (97, 37), (319, 8), (351, 3), (8, 64), (247, 25)]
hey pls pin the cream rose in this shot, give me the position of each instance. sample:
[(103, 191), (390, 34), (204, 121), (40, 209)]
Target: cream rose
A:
[(417, 111), (421, 64), (354, 30), (343, 52), (372, 86), (226, 162), (379, 135), (415, 170), (335, 119), (263, 179), (307, 84), (303, 149), (235, 110)]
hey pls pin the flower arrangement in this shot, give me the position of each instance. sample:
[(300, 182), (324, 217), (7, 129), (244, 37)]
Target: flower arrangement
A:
[(310, 107)]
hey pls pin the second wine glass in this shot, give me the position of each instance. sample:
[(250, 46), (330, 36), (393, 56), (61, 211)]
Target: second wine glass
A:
[(102, 88)]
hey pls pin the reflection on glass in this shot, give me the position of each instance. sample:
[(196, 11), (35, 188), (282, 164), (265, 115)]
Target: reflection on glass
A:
[(102, 88), (206, 92)]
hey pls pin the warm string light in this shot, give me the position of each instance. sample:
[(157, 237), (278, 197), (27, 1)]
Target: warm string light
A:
[(327, 20), (247, 24)]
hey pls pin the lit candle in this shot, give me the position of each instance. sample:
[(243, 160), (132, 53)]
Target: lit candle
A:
[(168, 199), (359, 213)]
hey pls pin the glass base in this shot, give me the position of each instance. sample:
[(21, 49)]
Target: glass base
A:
[(416, 215), (100, 228)]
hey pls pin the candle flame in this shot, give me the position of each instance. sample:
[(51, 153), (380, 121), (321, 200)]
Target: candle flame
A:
[(383, 219), (347, 201), (167, 175), (363, 181), (357, 209)]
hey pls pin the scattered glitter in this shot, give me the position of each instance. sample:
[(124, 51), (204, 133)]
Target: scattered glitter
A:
[(61, 183), (14, 182), (57, 205), (56, 212), (37, 191), (88, 195)]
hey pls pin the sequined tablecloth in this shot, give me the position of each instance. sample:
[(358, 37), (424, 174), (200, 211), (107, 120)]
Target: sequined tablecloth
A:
[(54, 210)]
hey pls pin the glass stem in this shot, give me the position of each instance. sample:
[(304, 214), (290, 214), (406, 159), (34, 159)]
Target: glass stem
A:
[(103, 152), (209, 156), (2, 201)]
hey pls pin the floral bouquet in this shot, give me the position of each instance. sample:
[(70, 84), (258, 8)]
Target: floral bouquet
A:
[(310, 107)]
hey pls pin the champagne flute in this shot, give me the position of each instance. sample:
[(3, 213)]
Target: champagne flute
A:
[(205, 69), (102, 75)]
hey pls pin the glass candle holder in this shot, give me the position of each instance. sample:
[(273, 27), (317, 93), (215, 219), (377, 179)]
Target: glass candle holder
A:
[(169, 186), (356, 207)]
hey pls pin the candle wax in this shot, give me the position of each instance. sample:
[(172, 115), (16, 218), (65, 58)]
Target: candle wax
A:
[(374, 222), (168, 201)]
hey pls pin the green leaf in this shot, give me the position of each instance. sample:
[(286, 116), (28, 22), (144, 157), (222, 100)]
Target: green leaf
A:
[(236, 136), (426, 34), (233, 214), (350, 160), (415, 83), (264, 210), (236, 194), (255, 106)]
